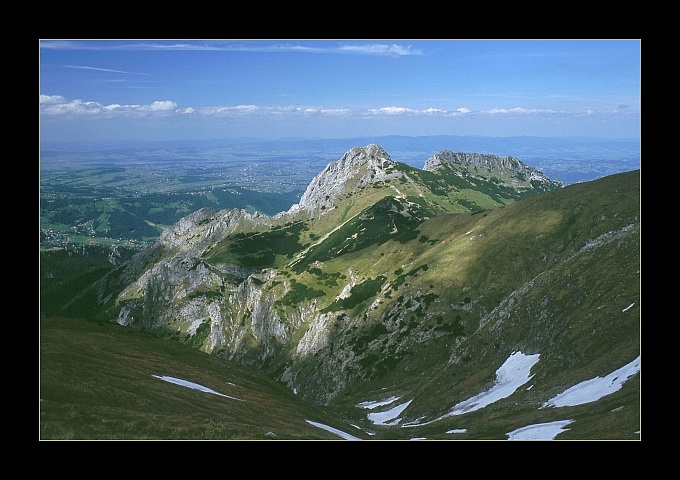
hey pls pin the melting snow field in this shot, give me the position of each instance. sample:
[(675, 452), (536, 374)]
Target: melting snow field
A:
[(339, 433), (540, 431), (509, 377), (514, 373), (195, 386), (381, 418), (596, 388)]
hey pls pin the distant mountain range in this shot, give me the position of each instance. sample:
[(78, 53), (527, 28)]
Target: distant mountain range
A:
[(466, 295)]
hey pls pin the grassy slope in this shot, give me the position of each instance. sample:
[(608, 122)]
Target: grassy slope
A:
[(96, 383), (573, 317), (466, 252)]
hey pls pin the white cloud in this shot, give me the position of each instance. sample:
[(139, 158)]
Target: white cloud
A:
[(114, 106), (335, 111), (51, 99), (225, 111), (163, 106), (57, 105), (243, 108), (284, 109), (75, 107), (520, 110), (432, 111), (391, 111)]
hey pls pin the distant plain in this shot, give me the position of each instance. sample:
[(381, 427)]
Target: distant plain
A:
[(126, 193)]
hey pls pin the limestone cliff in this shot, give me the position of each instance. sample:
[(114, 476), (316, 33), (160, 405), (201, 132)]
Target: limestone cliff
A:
[(364, 278)]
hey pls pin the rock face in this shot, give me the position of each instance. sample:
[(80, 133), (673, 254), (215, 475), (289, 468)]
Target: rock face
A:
[(350, 289), (197, 231), (358, 167), (520, 175)]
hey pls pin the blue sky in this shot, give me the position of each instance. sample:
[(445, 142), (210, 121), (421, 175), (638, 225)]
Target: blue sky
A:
[(270, 89)]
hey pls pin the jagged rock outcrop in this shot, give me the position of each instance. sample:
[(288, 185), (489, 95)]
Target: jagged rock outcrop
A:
[(196, 232), (358, 167), (323, 308), (485, 166)]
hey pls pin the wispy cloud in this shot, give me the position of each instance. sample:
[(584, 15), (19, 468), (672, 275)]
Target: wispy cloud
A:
[(383, 50), (109, 70), (373, 49), (65, 45)]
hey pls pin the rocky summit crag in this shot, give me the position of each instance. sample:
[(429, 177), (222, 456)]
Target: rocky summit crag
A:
[(387, 281)]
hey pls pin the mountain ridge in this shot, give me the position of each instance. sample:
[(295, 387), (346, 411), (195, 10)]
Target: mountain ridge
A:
[(402, 270)]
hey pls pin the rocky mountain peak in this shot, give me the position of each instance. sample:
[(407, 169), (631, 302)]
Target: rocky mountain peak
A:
[(487, 166), (490, 162), (358, 167), (402, 287)]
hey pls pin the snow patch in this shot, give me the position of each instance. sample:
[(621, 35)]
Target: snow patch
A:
[(195, 386), (539, 431), (595, 388)]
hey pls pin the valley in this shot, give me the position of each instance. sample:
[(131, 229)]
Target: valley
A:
[(465, 295)]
